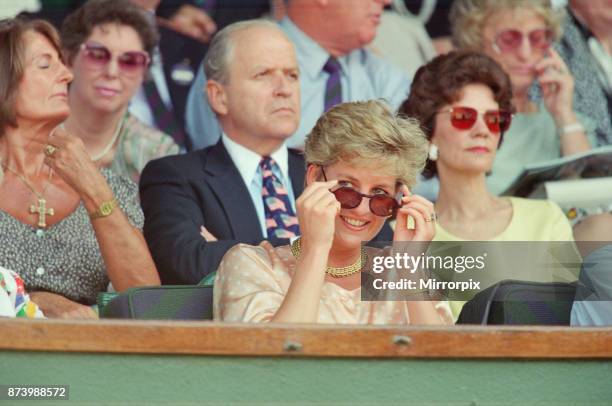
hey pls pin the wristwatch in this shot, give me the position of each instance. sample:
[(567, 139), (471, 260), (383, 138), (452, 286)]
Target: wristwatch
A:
[(104, 210)]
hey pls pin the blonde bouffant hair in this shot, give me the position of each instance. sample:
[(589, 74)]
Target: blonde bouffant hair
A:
[(369, 134), (468, 18)]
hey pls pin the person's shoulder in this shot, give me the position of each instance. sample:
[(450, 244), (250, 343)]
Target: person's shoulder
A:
[(245, 259), (183, 163), (116, 179), (378, 65), (296, 153), (122, 186), (263, 255), (243, 249), (264, 251), (535, 206), (537, 212), (145, 132), (388, 81)]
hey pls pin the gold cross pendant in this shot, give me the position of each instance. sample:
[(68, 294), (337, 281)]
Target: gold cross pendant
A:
[(42, 212)]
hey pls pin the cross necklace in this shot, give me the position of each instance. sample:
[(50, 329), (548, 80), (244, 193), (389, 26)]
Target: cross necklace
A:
[(41, 209)]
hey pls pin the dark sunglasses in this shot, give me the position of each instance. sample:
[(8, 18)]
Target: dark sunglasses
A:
[(464, 118), (510, 40), (380, 205), (130, 63)]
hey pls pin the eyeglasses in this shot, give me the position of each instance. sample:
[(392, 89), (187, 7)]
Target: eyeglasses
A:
[(464, 118), (510, 40), (380, 205), (131, 63)]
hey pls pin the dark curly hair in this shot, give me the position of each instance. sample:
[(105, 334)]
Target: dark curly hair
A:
[(77, 27), (441, 81)]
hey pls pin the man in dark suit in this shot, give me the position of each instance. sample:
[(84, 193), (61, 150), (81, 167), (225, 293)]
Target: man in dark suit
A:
[(242, 189)]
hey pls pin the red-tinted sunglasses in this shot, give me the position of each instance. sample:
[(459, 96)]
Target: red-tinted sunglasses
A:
[(131, 63), (510, 40), (464, 118), (380, 205)]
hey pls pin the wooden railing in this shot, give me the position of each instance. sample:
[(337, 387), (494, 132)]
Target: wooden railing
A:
[(208, 338)]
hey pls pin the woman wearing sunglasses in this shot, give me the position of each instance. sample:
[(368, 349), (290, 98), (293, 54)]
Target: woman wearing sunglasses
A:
[(463, 100), (518, 35), (362, 160), (66, 227), (108, 44)]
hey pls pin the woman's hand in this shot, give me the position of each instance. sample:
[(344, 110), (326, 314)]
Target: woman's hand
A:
[(57, 306), (422, 211), (317, 208), (69, 159), (557, 85)]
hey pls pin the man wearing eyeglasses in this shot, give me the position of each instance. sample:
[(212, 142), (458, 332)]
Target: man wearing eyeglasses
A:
[(243, 189)]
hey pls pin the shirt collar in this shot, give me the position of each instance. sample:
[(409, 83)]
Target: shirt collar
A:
[(311, 56), (247, 161)]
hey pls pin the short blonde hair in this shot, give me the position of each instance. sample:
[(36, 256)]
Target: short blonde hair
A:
[(468, 18), (369, 134)]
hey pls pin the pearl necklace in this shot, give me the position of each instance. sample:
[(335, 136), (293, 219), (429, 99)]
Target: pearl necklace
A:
[(108, 146), (296, 249)]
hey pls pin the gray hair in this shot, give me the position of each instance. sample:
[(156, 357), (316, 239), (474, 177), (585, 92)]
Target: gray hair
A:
[(217, 59), (468, 18)]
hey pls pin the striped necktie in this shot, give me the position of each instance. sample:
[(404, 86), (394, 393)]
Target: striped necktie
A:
[(281, 221), (333, 87), (165, 120)]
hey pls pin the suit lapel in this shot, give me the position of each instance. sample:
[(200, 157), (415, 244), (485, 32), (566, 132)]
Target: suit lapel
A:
[(297, 172), (232, 194)]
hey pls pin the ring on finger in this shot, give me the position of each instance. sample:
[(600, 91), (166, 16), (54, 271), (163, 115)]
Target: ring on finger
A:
[(50, 150), (432, 217)]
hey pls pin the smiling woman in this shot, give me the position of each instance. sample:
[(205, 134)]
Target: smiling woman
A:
[(362, 159)]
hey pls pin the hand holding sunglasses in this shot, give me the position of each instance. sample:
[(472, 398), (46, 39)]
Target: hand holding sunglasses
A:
[(316, 210), (423, 215)]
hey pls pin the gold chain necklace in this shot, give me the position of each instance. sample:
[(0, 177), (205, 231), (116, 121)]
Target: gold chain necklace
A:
[(41, 209), (296, 249)]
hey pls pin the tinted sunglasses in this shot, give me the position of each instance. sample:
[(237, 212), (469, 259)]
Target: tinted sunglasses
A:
[(464, 118), (130, 63), (380, 205), (510, 40)]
